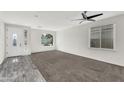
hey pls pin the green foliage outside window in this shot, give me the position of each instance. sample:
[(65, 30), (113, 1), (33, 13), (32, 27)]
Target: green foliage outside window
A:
[(47, 39)]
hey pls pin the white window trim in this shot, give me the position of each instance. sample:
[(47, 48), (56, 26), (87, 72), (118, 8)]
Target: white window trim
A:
[(114, 40)]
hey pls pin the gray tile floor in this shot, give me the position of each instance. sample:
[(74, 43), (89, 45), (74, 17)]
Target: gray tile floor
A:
[(19, 69), (57, 66)]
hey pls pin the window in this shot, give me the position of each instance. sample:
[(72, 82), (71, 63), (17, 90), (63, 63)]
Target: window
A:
[(25, 37), (102, 37), (95, 38), (14, 39), (47, 40), (25, 34)]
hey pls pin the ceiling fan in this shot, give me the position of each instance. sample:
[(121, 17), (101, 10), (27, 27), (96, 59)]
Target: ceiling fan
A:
[(87, 18)]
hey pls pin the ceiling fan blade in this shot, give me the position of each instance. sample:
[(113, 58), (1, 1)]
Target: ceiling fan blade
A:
[(94, 16), (91, 20), (80, 22), (77, 19)]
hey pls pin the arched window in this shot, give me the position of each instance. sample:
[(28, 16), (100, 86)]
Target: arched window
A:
[(47, 40)]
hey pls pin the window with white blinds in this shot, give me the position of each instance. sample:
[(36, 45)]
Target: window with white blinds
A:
[(102, 37)]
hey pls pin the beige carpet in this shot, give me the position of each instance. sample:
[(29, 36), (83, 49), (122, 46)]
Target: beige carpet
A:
[(56, 66)]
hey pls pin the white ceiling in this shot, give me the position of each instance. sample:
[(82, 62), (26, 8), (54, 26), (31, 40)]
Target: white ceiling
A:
[(50, 20)]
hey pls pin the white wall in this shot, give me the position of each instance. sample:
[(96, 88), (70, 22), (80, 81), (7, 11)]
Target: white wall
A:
[(36, 41), (1, 42), (75, 40)]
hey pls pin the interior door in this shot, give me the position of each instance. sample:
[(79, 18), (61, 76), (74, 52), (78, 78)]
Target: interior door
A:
[(14, 41)]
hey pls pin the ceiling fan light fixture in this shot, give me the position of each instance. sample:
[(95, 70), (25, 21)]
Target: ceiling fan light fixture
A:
[(87, 18)]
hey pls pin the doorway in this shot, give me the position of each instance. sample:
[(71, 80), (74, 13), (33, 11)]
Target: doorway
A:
[(17, 40)]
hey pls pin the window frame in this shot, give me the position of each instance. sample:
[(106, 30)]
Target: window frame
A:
[(114, 38), (52, 39)]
